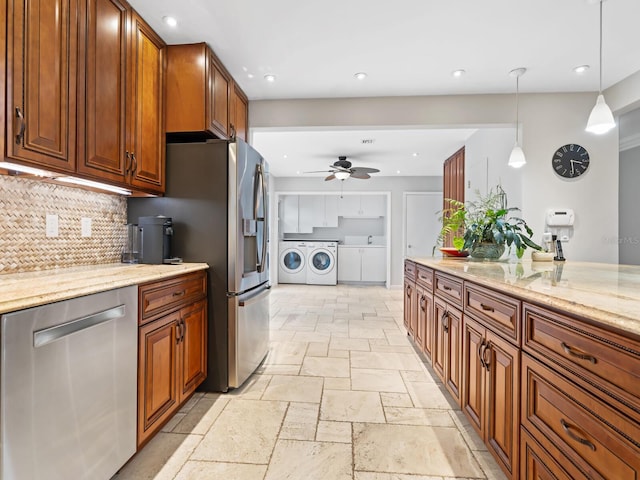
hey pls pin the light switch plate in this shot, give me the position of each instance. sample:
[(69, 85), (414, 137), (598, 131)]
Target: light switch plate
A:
[(85, 226), (51, 228)]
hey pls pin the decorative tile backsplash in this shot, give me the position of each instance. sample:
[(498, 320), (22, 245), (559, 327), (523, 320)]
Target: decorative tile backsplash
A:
[(24, 246)]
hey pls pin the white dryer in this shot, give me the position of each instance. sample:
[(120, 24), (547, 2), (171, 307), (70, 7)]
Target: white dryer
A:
[(292, 262), (322, 263)]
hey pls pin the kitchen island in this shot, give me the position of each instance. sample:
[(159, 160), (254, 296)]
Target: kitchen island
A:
[(542, 357)]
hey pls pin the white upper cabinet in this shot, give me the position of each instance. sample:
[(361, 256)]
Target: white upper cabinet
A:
[(293, 219), (362, 206)]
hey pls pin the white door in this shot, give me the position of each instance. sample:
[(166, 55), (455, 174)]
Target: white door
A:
[(421, 212)]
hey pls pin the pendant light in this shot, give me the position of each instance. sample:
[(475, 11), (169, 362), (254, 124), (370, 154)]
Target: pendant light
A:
[(516, 159), (601, 119)]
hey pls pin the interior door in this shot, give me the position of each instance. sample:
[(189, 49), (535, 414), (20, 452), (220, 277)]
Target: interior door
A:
[(421, 222)]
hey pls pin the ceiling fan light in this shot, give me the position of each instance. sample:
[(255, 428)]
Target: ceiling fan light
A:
[(342, 175), (516, 159), (601, 119)]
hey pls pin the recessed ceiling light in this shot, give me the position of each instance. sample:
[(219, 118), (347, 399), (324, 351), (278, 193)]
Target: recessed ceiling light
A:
[(458, 73), (172, 22), (269, 77), (397, 172), (297, 172), (360, 75), (581, 69), (414, 154), (249, 75), (284, 156)]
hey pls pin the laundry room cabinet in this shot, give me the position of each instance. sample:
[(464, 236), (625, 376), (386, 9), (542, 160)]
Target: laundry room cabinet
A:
[(362, 264), (318, 211), (362, 206), (290, 216)]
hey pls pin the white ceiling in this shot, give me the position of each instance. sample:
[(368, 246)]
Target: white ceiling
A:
[(407, 47)]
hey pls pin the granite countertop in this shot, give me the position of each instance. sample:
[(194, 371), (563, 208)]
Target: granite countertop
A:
[(606, 293), (24, 290)]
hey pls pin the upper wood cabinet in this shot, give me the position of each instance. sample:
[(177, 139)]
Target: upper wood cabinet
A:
[(239, 121), (42, 39), (121, 106), (202, 99)]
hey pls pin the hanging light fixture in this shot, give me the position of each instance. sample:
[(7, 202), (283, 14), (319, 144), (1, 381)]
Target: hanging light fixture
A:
[(516, 159), (342, 175), (601, 119)]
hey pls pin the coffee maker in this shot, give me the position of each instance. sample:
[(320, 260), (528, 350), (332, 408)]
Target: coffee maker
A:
[(155, 239)]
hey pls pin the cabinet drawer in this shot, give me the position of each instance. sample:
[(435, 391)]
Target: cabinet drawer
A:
[(538, 464), (159, 297), (607, 360), (499, 311), (449, 288), (594, 435), (424, 277), (410, 270)]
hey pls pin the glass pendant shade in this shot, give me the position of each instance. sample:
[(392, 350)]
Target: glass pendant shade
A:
[(601, 119), (342, 175), (516, 159)]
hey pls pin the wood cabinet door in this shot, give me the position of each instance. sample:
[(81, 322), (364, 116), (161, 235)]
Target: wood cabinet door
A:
[(193, 348), (439, 337), (157, 376), (409, 293), (453, 353), (146, 119), (473, 374), (42, 40), (218, 98), (503, 408), (429, 324), (102, 90), (239, 121)]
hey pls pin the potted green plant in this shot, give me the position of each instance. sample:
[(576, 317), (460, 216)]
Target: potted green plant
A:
[(485, 227)]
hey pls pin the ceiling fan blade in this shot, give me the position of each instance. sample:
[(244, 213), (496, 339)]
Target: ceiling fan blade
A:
[(364, 170), (320, 171), (361, 175), (330, 177)]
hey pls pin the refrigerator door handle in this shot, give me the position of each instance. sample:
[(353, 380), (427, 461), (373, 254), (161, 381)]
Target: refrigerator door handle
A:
[(261, 264), (255, 298)]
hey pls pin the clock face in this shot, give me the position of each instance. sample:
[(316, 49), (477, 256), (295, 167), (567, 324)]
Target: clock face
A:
[(570, 161)]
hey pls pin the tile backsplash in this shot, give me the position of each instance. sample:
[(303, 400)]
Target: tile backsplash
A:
[(24, 246)]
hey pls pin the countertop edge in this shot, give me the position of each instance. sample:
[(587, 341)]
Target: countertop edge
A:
[(22, 291)]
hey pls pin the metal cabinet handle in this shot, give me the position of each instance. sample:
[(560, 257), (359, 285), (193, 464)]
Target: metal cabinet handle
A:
[(582, 356), (408, 290), (134, 164), (183, 330), (445, 326), (567, 429), (447, 289), (487, 363), (178, 294), (20, 135), (481, 348), (127, 163), (423, 303), (487, 308), (178, 333)]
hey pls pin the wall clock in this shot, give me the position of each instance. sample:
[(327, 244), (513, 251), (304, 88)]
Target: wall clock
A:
[(570, 161)]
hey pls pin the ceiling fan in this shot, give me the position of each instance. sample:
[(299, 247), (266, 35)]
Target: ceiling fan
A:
[(342, 170)]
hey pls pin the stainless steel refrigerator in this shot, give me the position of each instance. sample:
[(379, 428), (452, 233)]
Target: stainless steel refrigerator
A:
[(217, 196)]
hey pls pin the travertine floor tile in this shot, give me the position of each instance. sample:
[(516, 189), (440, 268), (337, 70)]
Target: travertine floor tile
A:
[(334, 432), (325, 367), (349, 344), (364, 332), (350, 406), (300, 422), (294, 389), (428, 395), (253, 388), (161, 458), (377, 380), (295, 460), (396, 399), (215, 471), (284, 353), (419, 416), (394, 476), (245, 432), (420, 450), (385, 361), (417, 376), (202, 415), (317, 349)]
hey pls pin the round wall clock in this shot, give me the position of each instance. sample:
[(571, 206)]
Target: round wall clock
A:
[(570, 161)]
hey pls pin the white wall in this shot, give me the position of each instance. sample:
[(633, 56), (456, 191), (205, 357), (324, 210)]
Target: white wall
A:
[(629, 236), (395, 185), (548, 121)]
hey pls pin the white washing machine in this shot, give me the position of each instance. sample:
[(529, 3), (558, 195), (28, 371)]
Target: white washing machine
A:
[(322, 263), (292, 262)]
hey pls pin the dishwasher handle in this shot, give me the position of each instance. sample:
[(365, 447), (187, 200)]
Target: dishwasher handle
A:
[(51, 334)]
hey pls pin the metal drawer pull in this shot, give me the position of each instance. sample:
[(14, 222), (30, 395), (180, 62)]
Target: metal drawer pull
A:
[(567, 429), (445, 326), (178, 334), (448, 289), (423, 303), (20, 135), (582, 356), (51, 334), (178, 294), (487, 363), (487, 308), (481, 348)]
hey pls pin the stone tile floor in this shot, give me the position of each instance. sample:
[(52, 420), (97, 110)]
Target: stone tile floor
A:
[(342, 395)]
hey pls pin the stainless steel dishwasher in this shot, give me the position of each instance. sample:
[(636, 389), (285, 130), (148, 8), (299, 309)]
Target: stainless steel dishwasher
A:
[(68, 388)]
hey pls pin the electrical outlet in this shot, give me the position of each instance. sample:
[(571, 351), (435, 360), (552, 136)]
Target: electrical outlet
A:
[(85, 226), (51, 228)]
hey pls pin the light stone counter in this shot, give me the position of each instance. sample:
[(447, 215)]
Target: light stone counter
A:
[(606, 293), (24, 290)]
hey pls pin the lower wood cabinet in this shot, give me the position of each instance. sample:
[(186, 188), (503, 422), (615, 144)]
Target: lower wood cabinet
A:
[(410, 313), (447, 346), (490, 393), (172, 359), (424, 320)]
